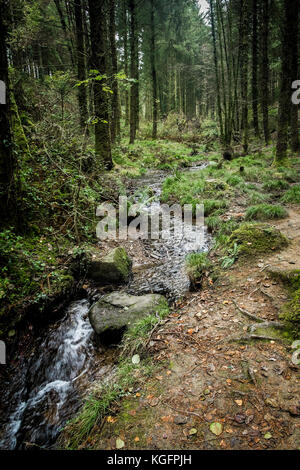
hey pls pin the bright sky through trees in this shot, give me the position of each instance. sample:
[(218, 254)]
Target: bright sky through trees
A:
[(203, 5)]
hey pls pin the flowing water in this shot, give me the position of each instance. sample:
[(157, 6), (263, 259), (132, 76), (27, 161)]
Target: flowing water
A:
[(48, 386), (166, 274)]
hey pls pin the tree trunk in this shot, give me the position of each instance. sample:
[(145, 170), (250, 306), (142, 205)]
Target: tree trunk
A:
[(133, 71), (81, 66), (153, 72), (97, 10), (115, 118), (244, 72), (285, 103), (265, 69), (125, 43), (216, 68), (254, 68), (295, 69), (7, 193), (64, 28)]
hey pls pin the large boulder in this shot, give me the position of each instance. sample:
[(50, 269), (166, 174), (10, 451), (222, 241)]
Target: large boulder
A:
[(257, 239), (116, 312), (114, 268)]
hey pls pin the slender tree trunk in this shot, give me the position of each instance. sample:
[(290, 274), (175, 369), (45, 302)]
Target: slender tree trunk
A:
[(7, 190), (134, 91), (254, 68), (153, 71), (295, 145), (125, 43), (97, 10), (265, 69), (81, 66), (285, 104), (115, 122), (244, 72), (216, 68), (64, 28), (222, 45)]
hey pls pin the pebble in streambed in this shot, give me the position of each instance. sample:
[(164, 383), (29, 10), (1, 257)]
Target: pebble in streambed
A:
[(168, 277)]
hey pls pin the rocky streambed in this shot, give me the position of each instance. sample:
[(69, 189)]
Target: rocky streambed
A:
[(45, 389)]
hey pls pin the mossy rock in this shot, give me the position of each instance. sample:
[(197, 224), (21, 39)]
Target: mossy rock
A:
[(289, 277), (275, 331), (118, 311), (291, 315), (114, 268), (257, 239)]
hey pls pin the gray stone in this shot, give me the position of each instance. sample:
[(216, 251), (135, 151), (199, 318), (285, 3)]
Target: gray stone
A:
[(114, 268), (115, 312)]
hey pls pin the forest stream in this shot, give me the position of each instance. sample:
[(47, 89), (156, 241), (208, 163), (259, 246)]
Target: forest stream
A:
[(47, 389)]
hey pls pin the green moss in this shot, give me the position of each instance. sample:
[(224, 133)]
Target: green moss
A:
[(272, 332), (122, 261), (290, 278), (291, 315), (256, 239), (19, 138)]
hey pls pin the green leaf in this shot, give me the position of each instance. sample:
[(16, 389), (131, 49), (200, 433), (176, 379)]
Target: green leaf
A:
[(193, 431), (119, 443), (268, 435), (216, 428)]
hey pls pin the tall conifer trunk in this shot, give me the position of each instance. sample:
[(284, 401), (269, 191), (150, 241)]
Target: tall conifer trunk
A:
[(285, 103), (153, 72), (81, 67), (134, 91), (254, 69), (7, 193), (115, 119), (98, 10)]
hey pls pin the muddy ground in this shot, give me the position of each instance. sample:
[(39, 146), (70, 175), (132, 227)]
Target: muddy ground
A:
[(209, 373)]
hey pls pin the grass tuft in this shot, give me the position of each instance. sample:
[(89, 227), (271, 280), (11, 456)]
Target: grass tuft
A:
[(196, 265), (265, 212), (292, 195)]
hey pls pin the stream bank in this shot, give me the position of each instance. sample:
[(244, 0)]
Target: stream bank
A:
[(48, 385)]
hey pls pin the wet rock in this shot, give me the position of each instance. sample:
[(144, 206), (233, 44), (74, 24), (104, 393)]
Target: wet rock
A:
[(114, 268), (117, 311), (240, 418)]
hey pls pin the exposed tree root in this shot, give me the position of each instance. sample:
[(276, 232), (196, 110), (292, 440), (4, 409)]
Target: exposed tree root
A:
[(248, 314)]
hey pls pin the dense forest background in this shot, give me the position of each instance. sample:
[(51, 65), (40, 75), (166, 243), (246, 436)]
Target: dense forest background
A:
[(92, 84)]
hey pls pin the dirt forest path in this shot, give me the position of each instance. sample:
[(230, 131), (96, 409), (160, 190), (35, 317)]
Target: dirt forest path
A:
[(214, 390)]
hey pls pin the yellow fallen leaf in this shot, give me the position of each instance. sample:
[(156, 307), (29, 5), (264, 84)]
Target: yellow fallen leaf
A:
[(239, 402), (110, 419), (136, 439)]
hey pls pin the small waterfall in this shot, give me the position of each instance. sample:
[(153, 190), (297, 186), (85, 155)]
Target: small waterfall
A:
[(48, 395), (47, 389)]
